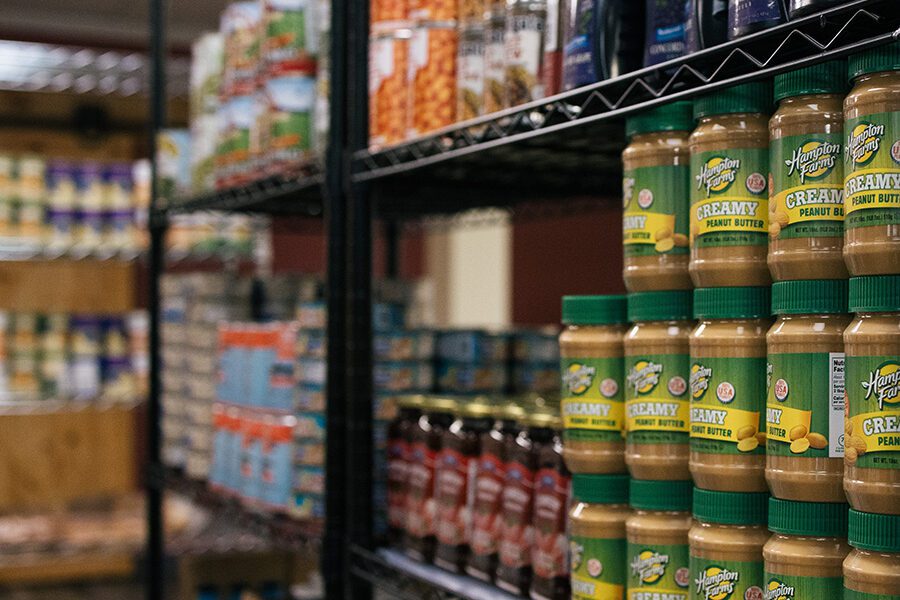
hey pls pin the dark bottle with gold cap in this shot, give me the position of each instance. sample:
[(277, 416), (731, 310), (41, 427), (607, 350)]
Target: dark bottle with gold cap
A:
[(399, 442), (426, 435), (489, 477), (454, 476)]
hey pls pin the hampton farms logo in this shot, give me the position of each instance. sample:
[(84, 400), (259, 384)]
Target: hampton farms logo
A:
[(863, 143), (813, 160), (716, 583), (650, 566), (699, 380), (578, 378), (776, 590), (717, 174), (643, 377), (884, 384)]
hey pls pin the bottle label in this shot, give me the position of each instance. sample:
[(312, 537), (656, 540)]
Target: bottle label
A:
[(655, 200), (657, 405), (872, 432), (486, 512), (726, 579), (807, 186), (494, 64), (524, 43), (592, 406), (727, 401), (470, 78), (805, 405), (551, 499), (397, 473), (516, 511), (420, 508), (795, 587), (450, 495), (729, 199), (658, 571), (872, 170), (598, 568)]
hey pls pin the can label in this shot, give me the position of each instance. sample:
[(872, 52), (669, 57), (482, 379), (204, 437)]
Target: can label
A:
[(598, 568), (805, 405), (729, 199), (289, 103), (657, 404), (872, 170), (807, 186), (592, 399), (872, 436), (658, 571), (727, 401)]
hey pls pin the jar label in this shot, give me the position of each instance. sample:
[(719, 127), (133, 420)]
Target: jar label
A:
[(452, 520), (796, 587), (420, 508), (655, 200), (592, 407), (397, 474), (854, 595), (551, 501), (729, 199), (807, 186), (657, 408), (872, 170), (726, 579), (658, 571), (727, 400), (486, 511), (597, 567), (872, 435), (516, 510), (805, 405)]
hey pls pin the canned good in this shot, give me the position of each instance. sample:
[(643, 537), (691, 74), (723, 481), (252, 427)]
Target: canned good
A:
[(240, 25), (494, 63), (290, 39), (470, 75), (91, 203), (386, 11), (524, 42), (117, 212), (432, 75), (207, 54), (233, 155), (433, 10), (62, 199), (388, 98), (289, 105), (7, 193)]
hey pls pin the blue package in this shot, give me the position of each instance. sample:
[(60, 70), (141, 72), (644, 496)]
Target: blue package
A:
[(403, 376), (472, 346), (277, 464), (536, 346), (536, 377), (251, 462), (467, 378), (258, 370), (748, 16), (666, 29), (414, 344), (578, 49)]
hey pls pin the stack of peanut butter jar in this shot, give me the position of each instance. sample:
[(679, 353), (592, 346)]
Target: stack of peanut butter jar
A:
[(733, 423)]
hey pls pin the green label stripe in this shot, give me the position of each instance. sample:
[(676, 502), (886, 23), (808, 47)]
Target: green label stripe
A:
[(592, 398), (854, 595), (873, 391), (727, 404), (657, 407), (805, 402), (658, 571), (655, 201), (726, 579), (795, 587), (597, 568), (872, 170), (807, 196)]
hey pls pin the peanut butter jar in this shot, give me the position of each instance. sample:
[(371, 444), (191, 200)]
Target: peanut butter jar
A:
[(871, 173), (729, 218), (656, 199), (597, 536), (728, 389), (872, 569), (591, 365), (872, 427), (657, 369), (726, 543), (804, 556), (805, 380), (806, 174), (657, 556)]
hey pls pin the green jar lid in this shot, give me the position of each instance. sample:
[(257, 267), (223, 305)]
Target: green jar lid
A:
[(675, 116), (875, 293), (731, 508), (600, 489), (824, 78), (870, 531), (752, 97), (660, 306), (822, 519), (731, 303), (660, 495), (593, 310), (883, 58), (809, 297)]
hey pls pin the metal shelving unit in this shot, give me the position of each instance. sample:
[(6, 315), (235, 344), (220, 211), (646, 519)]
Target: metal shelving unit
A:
[(549, 150)]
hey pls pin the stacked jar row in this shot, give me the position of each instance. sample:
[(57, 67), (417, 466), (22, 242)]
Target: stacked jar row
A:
[(741, 199), (481, 488)]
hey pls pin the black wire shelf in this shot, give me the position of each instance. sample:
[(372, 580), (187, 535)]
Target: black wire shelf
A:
[(297, 192), (570, 143), (404, 578), (279, 530)]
